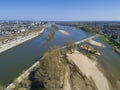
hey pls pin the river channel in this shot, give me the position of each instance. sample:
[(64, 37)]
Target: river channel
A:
[(21, 57)]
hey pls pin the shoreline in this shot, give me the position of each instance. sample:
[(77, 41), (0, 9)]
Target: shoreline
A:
[(24, 75), (20, 41)]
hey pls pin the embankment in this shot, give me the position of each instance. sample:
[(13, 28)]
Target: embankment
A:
[(22, 77), (12, 44)]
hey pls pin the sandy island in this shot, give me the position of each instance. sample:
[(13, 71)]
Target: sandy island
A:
[(88, 67), (64, 32), (11, 44), (93, 42)]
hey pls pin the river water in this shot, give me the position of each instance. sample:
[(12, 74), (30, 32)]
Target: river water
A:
[(20, 58), (109, 60)]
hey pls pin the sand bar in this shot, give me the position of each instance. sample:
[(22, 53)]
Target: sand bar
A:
[(64, 32), (89, 68)]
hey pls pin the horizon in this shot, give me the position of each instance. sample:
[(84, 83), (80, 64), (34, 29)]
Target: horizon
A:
[(62, 10), (66, 20)]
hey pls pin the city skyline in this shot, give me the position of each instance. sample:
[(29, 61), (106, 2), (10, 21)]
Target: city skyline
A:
[(60, 10)]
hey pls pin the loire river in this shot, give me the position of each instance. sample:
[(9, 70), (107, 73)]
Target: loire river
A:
[(19, 58)]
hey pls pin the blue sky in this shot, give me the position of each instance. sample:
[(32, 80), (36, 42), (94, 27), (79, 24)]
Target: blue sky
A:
[(62, 10)]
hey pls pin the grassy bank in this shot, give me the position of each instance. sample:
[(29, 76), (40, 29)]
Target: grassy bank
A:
[(107, 39)]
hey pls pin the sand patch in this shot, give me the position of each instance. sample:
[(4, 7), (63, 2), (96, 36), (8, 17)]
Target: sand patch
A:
[(89, 68), (93, 42), (67, 85), (64, 32)]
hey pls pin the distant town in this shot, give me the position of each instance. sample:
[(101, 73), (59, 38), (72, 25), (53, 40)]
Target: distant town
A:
[(13, 30), (113, 31), (12, 27)]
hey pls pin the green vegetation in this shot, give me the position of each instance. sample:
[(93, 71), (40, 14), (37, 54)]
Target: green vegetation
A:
[(50, 71), (111, 27), (88, 50), (117, 50), (70, 47), (52, 57), (90, 29), (52, 32), (115, 44)]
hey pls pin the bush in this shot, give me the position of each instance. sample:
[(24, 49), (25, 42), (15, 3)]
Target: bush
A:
[(70, 47), (52, 32)]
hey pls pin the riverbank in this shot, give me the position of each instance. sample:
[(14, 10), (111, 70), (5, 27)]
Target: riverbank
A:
[(114, 43), (12, 44), (22, 77)]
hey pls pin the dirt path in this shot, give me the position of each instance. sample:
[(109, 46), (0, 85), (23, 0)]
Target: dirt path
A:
[(67, 85)]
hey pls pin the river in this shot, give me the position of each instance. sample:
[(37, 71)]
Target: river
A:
[(21, 57), (110, 61)]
